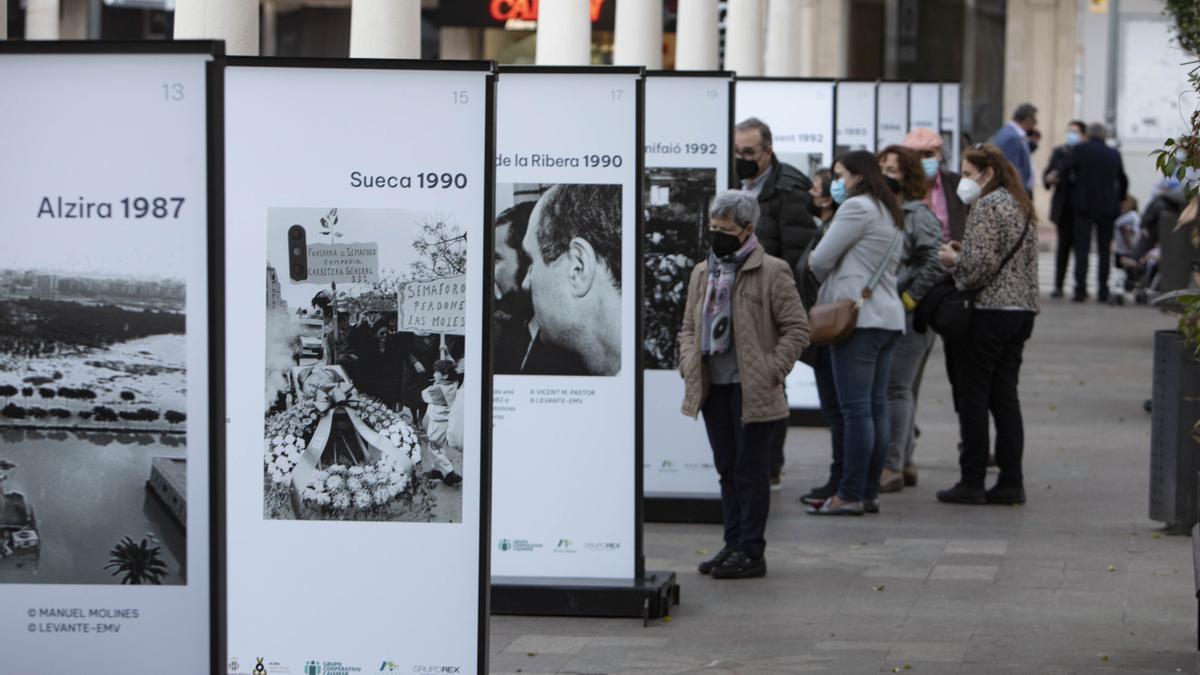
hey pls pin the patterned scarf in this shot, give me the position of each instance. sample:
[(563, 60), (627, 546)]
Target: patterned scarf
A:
[(718, 297)]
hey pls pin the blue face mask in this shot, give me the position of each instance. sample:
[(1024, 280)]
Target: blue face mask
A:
[(931, 166), (1073, 138), (838, 190)]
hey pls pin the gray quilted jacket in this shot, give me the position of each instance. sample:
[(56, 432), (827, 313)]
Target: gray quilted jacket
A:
[(920, 268)]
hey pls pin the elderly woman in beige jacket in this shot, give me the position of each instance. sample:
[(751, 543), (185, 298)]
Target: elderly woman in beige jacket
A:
[(743, 329)]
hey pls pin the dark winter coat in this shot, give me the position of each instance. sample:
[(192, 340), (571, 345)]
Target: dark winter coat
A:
[(785, 225)]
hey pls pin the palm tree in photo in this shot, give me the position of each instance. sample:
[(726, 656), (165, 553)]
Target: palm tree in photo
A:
[(140, 563)]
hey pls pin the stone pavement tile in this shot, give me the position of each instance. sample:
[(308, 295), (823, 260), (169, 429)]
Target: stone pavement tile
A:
[(547, 644), (912, 542), (594, 659), (1087, 580), (964, 572), (1162, 659), (523, 663), (1029, 576), (498, 642), (942, 652), (1024, 597), (977, 546), (917, 629), (1003, 615), (899, 571), (853, 646)]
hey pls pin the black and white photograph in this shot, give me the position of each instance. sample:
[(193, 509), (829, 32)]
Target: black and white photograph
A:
[(808, 162), (675, 239), (557, 280), (93, 405), (366, 312)]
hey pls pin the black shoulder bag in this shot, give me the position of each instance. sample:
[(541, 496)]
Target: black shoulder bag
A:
[(947, 310)]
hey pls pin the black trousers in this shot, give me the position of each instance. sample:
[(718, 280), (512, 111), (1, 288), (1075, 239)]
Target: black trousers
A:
[(1083, 244), (987, 365), (1063, 251), (741, 453), (777, 441)]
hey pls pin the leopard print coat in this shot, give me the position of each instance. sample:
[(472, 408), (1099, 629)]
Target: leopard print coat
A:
[(994, 225)]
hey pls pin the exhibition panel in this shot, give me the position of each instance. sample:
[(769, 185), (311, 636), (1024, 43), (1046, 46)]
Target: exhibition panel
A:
[(924, 105), (106, 288), (951, 127), (359, 392), (801, 115), (892, 107), (856, 128), (688, 128)]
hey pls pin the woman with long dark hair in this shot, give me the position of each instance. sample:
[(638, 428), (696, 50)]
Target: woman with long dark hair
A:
[(861, 245), (919, 271), (998, 261)]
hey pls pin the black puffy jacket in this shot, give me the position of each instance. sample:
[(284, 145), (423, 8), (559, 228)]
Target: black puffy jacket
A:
[(785, 225)]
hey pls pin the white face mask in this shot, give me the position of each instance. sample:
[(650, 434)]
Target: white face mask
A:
[(968, 190)]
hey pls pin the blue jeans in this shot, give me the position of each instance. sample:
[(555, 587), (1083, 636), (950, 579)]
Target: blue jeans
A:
[(861, 366), (827, 393)]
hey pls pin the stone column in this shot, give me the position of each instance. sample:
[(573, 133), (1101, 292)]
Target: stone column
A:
[(385, 29), (697, 35), (234, 21), (639, 34), (3, 27), (564, 33), (41, 20), (73, 24), (744, 37), (784, 42)]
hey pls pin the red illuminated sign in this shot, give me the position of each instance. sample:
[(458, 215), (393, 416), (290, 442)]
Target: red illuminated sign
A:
[(527, 10)]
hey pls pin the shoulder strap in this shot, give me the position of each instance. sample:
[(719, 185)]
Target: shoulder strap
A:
[(1016, 247), (883, 263)]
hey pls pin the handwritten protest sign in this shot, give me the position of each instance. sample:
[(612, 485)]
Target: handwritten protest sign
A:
[(345, 263), (434, 306)]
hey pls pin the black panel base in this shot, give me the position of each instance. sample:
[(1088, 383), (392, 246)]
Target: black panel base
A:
[(666, 507), (648, 598), (806, 417)]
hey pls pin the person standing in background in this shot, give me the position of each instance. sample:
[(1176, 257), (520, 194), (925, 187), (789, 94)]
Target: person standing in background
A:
[(785, 225), (942, 183), (920, 270), (1056, 177), (1013, 142), (1099, 188)]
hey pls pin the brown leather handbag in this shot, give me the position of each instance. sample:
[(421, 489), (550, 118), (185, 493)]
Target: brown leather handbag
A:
[(832, 322)]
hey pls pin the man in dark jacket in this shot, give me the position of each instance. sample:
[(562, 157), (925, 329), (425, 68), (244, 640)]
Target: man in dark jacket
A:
[(785, 225), (1099, 188), (1060, 206)]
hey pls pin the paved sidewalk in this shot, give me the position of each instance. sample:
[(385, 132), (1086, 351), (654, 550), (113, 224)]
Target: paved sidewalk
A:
[(1076, 581)]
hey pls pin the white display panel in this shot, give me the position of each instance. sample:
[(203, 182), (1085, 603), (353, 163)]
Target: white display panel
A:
[(105, 458), (951, 128), (687, 162), (855, 116), (337, 531), (565, 416), (800, 114), (892, 122), (924, 105)]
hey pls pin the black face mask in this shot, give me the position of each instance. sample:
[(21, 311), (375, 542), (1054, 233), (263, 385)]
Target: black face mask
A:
[(814, 209), (724, 243), (893, 184), (746, 168), (1033, 146)]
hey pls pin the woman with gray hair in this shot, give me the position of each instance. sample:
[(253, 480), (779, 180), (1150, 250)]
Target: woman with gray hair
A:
[(743, 329)]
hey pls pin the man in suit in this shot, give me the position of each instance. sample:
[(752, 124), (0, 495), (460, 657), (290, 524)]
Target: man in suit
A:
[(1099, 188), (1060, 205), (942, 197), (1013, 141)]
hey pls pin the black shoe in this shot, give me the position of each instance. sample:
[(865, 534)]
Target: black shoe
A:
[(820, 494), (1057, 294), (434, 475), (740, 566), (1080, 297), (961, 494), (452, 479), (1005, 495), (871, 505), (707, 566), (1148, 405)]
